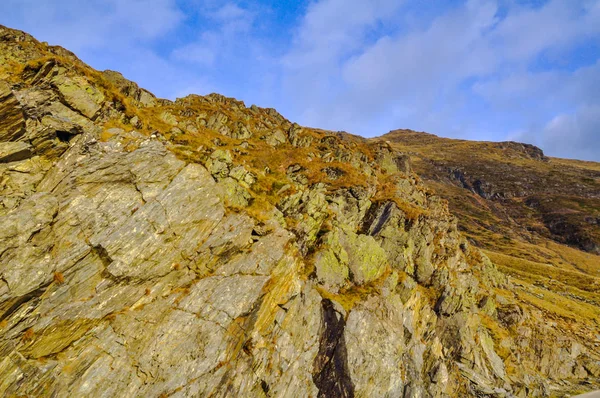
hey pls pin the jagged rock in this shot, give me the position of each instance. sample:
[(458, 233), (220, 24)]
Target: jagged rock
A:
[(142, 97), (333, 173), (510, 314), (79, 94), (370, 333), (12, 121), (331, 373), (219, 163), (278, 137), (243, 176), (22, 272), (295, 173), (297, 137), (495, 361), (19, 180), (14, 151), (392, 162), (423, 267), (366, 259), (168, 221), (218, 122), (234, 194), (169, 118), (331, 264)]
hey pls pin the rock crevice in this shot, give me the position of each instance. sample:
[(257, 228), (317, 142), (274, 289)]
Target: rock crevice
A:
[(331, 373)]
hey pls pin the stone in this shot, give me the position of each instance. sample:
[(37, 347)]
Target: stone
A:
[(367, 261), (14, 151), (169, 118), (12, 120), (371, 334), (169, 218), (331, 272), (219, 163), (423, 268), (234, 194), (488, 348), (147, 99), (79, 94), (278, 137)]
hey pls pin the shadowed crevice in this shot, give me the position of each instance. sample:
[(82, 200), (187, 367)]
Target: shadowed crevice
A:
[(331, 374), (383, 218)]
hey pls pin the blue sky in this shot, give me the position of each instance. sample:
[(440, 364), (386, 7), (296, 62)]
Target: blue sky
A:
[(526, 70)]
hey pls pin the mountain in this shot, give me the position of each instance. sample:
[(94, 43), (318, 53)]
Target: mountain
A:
[(200, 247)]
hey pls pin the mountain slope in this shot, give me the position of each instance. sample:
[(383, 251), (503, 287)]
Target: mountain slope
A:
[(203, 248), (536, 217)]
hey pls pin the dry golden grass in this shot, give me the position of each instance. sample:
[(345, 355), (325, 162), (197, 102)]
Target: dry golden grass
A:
[(560, 293), (557, 306), (534, 270)]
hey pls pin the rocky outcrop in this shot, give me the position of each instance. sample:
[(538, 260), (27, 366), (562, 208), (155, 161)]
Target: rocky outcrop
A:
[(12, 124), (202, 254), (526, 150)]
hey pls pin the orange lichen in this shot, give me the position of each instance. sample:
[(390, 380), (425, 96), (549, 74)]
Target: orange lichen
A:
[(59, 278), (28, 335)]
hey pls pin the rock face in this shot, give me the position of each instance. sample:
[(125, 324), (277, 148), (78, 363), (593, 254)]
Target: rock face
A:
[(201, 248)]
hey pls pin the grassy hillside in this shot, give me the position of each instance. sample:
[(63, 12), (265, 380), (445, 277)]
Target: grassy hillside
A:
[(537, 218)]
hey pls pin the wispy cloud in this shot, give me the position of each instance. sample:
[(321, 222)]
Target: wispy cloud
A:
[(229, 26)]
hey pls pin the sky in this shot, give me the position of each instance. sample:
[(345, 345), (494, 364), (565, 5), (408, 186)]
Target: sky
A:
[(521, 70)]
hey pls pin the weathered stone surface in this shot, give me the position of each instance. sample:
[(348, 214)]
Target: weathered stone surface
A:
[(158, 233), (12, 121), (331, 272), (14, 151), (21, 270), (371, 332), (495, 361), (142, 97), (233, 193), (278, 137), (366, 259), (79, 94)]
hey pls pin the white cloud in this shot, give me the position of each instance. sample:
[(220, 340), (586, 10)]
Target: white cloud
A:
[(329, 32), (557, 24), (448, 51), (230, 27), (229, 12), (390, 80), (334, 28), (574, 135)]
